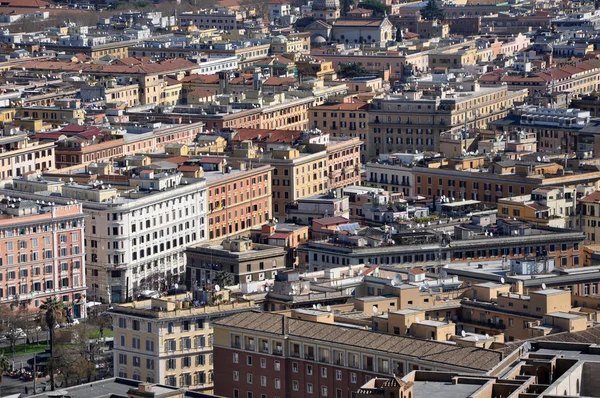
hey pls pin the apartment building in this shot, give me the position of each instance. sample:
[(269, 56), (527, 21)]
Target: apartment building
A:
[(552, 206), (238, 200), (136, 234), (556, 129), (42, 254), (233, 261), (590, 217), (518, 316), (19, 155), (412, 121), (265, 353), (150, 76), (340, 120), (295, 176), (474, 184), (168, 340), (222, 20), (579, 79), (427, 249)]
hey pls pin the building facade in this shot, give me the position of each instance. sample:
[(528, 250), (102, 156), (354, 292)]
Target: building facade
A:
[(42, 254), (168, 341)]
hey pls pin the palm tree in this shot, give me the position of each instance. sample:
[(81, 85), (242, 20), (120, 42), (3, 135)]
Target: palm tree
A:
[(4, 365), (54, 312)]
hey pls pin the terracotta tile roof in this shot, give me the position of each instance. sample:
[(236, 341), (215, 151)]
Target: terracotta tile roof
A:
[(205, 79), (589, 336), (168, 65), (591, 198), (267, 135), (344, 106), (25, 3), (178, 159), (279, 81), (202, 93), (331, 221), (188, 168), (434, 352), (363, 22)]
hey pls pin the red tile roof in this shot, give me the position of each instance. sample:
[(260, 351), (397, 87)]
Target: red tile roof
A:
[(205, 79), (202, 93), (168, 65), (591, 198)]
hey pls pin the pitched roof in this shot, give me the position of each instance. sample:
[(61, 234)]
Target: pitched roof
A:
[(205, 79), (473, 358), (362, 22), (591, 198), (172, 64)]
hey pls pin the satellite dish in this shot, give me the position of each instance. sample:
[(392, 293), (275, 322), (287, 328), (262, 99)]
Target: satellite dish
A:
[(487, 336), (539, 159), (328, 308), (476, 338), (543, 286), (375, 309), (267, 288), (398, 279), (177, 286), (217, 288), (318, 306), (417, 319), (245, 297), (463, 333), (393, 282), (314, 306), (502, 280)]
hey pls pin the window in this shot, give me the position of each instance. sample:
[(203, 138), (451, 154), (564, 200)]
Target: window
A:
[(171, 364), (249, 378), (309, 369), (353, 378), (295, 367), (324, 372), (249, 360), (263, 363), (323, 391), (338, 375), (277, 366), (277, 384), (309, 388), (295, 385), (236, 375), (235, 357), (263, 381)]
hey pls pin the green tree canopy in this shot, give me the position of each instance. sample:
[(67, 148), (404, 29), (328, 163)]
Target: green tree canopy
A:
[(351, 70), (432, 11), (377, 7)]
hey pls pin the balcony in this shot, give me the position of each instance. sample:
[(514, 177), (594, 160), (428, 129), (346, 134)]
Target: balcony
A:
[(324, 359), (278, 351), (236, 344)]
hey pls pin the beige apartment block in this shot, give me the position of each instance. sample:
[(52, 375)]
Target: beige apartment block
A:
[(169, 340)]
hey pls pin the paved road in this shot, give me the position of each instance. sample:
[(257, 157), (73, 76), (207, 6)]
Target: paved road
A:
[(15, 386)]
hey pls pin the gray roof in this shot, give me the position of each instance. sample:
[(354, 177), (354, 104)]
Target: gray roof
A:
[(473, 358)]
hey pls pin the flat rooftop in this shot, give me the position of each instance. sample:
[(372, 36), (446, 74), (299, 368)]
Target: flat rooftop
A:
[(433, 389)]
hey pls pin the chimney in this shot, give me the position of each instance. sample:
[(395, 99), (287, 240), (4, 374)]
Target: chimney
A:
[(518, 288), (145, 387), (285, 325)]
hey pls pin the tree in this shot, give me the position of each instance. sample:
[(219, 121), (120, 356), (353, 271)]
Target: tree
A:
[(351, 70), (432, 12), (223, 278), (4, 365), (378, 8), (54, 313)]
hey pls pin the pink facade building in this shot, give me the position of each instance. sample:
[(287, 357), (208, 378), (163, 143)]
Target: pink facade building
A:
[(42, 254)]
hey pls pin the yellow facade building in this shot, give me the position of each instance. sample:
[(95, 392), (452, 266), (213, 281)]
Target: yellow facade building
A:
[(169, 340)]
